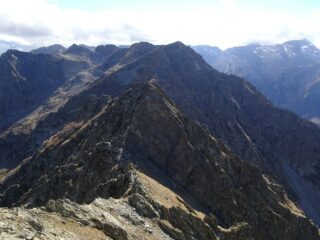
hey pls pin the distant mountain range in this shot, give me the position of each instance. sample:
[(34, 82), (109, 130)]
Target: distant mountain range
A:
[(288, 74), (45, 76), (149, 142)]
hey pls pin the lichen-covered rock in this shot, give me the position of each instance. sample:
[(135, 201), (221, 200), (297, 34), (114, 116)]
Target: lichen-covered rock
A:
[(142, 206), (21, 223), (173, 232)]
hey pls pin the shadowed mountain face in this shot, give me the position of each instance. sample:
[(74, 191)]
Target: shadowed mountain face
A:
[(79, 150), (50, 115), (28, 80), (288, 73), (142, 126)]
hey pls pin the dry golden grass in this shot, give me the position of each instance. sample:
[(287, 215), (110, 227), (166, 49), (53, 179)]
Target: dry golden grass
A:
[(3, 174), (165, 196)]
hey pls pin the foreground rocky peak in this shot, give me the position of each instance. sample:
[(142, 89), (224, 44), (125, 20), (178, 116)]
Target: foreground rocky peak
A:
[(139, 148)]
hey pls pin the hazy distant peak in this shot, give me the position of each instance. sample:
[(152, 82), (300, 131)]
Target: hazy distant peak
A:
[(298, 47), (207, 48), (298, 42), (78, 50), (91, 48), (141, 45), (105, 49), (178, 44), (136, 50), (75, 47), (52, 49), (10, 52)]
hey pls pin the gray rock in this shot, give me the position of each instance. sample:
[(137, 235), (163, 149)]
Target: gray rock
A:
[(142, 206)]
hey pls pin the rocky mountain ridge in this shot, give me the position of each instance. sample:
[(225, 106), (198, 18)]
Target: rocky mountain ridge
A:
[(65, 141), (46, 77), (125, 147)]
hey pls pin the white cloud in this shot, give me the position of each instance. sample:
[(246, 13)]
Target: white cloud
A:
[(38, 22)]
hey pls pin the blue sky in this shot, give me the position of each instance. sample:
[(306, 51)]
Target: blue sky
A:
[(224, 23), (293, 6), (130, 4)]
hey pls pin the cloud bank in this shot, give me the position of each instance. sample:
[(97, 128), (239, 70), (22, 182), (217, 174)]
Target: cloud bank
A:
[(35, 23)]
